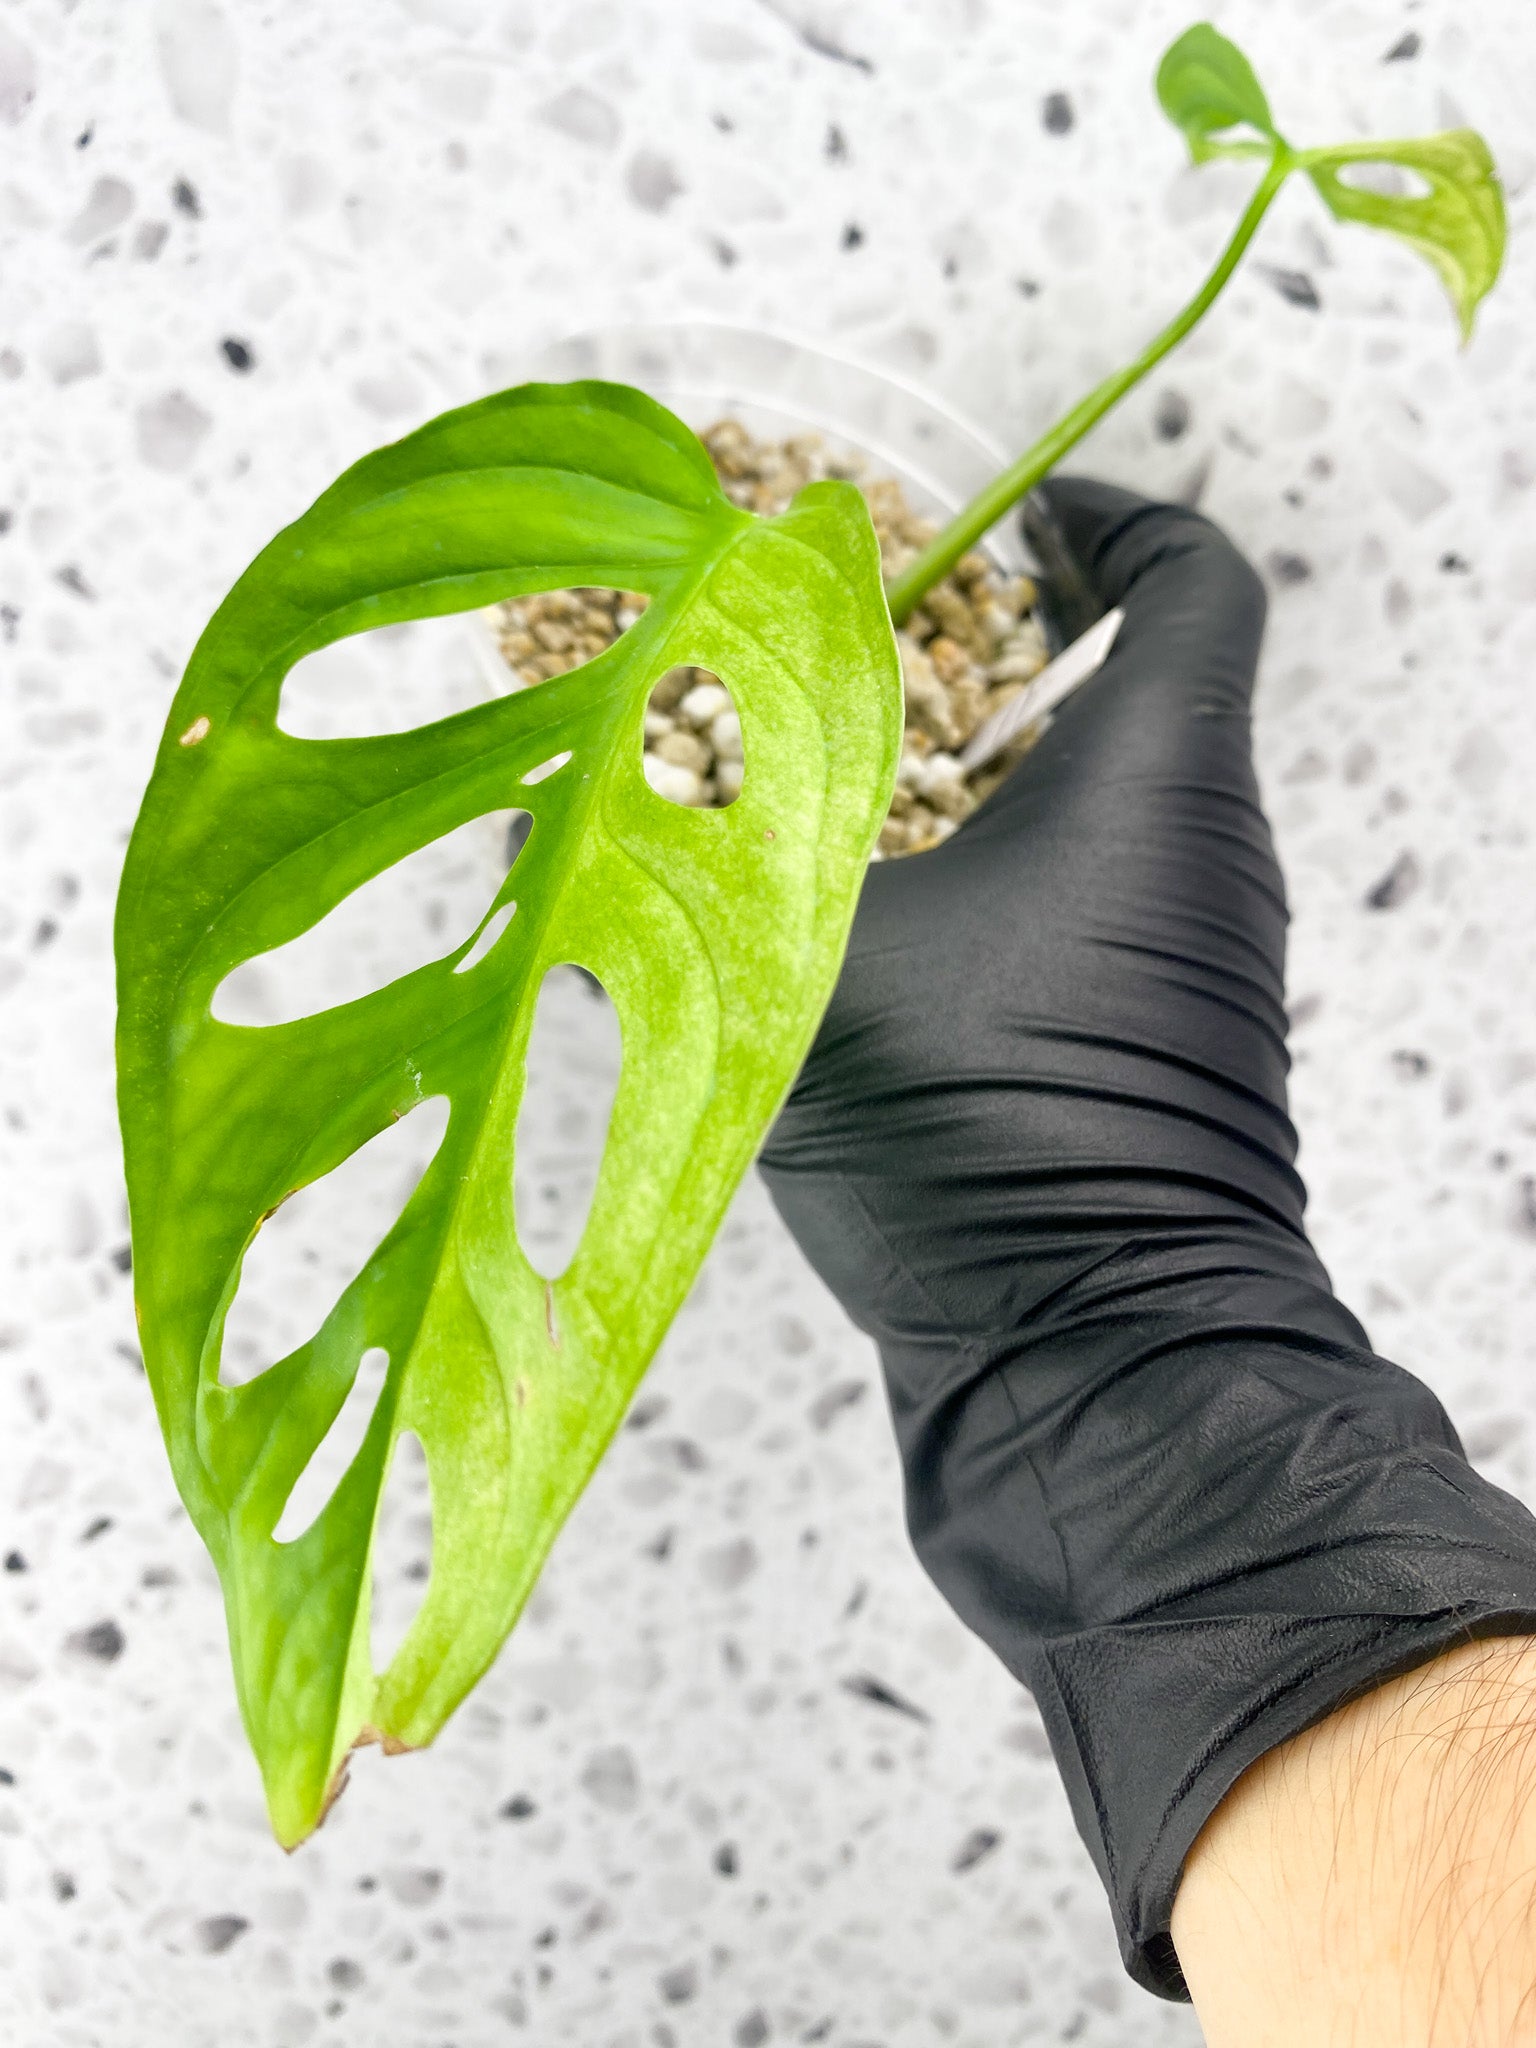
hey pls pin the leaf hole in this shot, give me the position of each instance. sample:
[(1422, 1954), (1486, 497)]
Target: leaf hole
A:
[(692, 740), (335, 1451), (393, 678), (553, 631), (424, 907), (490, 932), (311, 1248), (401, 1557), (1390, 181), (547, 768), (575, 1053)]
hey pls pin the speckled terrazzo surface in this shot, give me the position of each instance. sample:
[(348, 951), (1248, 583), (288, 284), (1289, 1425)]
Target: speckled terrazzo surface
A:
[(739, 1778)]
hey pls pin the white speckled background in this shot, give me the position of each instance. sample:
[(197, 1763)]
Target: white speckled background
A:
[(388, 206)]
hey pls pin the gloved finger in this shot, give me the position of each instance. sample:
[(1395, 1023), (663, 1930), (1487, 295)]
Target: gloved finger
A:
[(1172, 697)]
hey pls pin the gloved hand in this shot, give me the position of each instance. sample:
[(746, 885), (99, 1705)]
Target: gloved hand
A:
[(1040, 1152)]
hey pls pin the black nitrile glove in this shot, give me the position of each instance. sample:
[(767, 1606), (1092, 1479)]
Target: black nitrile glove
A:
[(1040, 1152)]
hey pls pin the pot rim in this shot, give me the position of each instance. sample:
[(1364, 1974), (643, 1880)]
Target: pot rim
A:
[(783, 382)]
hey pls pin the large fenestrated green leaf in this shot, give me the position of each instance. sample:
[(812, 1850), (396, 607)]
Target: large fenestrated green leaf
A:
[(1457, 225), (718, 935)]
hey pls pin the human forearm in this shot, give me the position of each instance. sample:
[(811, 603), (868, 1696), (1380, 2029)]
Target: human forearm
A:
[(1373, 1880)]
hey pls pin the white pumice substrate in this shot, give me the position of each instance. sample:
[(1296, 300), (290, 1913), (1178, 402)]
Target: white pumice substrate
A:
[(971, 646)]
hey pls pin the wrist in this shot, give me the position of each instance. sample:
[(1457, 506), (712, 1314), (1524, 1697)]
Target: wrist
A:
[(1374, 1879)]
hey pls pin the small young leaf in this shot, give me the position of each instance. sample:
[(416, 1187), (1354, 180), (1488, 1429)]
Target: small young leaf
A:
[(1458, 224), (718, 935), (1206, 86)]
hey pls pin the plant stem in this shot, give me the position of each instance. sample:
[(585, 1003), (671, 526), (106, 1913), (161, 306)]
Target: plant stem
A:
[(989, 504)]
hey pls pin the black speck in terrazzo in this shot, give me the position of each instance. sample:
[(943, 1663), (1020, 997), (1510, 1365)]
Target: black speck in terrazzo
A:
[(724, 123), (64, 1887), (148, 240), (679, 1984), (238, 354), (10, 619), (660, 1547), (185, 200), (158, 1576), (83, 139), (1525, 1205), (978, 1843), (1411, 1066), (1294, 286), (822, 44), (72, 580), (103, 1640), (1396, 885), (648, 1408), (1405, 47), (344, 1973), (7, 1777), (7, 520), (879, 1694), (546, 1937), (856, 1599), (1455, 565), (853, 236), (518, 1807), (1170, 416), (835, 148), (122, 1257), (751, 2029), (845, 1394), (725, 255), (14, 1561), (726, 1861), (98, 1527), (46, 932), (219, 1932), (682, 1452), (1287, 569), (1056, 115), (131, 1353)]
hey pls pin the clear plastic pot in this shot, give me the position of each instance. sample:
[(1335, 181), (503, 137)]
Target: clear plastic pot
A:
[(777, 386)]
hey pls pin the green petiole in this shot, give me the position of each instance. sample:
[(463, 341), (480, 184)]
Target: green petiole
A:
[(990, 504)]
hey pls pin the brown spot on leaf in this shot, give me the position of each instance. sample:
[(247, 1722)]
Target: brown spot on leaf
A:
[(333, 1792), (549, 1314), (197, 731)]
